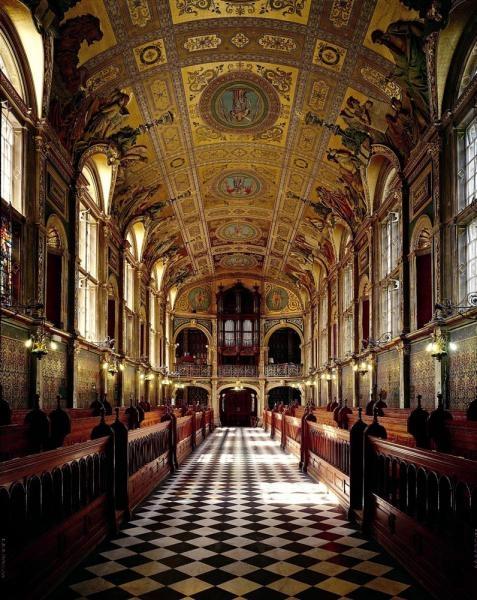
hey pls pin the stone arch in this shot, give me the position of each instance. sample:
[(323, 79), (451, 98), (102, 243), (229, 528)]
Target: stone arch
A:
[(452, 50), (383, 166), (246, 384), (284, 325), (29, 48), (422, 235), (192, 325)]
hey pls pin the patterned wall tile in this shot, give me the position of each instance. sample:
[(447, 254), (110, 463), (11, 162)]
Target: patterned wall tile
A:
[(388, 376), (463, 368), (422, 373)]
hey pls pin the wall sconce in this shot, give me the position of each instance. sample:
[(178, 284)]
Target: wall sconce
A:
[(40, 343), (362, 367), (166, 381), (439, 347), (149, 377), (309, 382)]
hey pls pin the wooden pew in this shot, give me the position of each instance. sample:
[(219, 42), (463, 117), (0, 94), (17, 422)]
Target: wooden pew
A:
[(421, 506), (14, 439), (149, 460), (292, 435), (183, 438), (328, 459), (56, 507)]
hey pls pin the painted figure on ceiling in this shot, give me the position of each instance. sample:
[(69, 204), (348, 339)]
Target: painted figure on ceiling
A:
[(405, 40), (240, 106), (108, 117), (71, 35)]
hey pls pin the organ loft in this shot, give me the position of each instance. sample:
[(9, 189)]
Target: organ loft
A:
[(238, 299)]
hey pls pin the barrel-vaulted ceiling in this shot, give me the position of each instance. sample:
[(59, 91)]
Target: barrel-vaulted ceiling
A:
[(243, 178)]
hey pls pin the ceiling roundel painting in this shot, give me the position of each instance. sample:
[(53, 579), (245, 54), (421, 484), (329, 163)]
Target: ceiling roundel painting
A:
[(199, 299), (238, 261), (240, 102), (237, 232), (276, 299), (238, 185)]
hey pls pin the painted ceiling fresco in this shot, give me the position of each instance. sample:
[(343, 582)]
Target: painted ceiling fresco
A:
[(243, 127)]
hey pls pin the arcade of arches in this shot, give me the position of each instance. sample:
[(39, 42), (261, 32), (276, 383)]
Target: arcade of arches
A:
[(249, 211)]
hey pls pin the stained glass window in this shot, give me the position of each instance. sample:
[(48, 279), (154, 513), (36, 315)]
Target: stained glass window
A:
[(6, 246)]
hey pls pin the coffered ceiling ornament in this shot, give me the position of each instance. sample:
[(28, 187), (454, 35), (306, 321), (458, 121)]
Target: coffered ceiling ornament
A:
[(239, 179), (238, 185), (239, 101)]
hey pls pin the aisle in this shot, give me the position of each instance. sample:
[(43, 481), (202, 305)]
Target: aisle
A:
[(239, 520)]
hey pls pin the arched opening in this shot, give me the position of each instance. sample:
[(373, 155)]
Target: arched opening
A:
[(191, 347), (423, 278), (238, 407), (283, 395), (55, 275), (191, 395), (284, 346)]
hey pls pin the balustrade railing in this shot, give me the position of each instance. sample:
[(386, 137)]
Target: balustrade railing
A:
[(192, 370), (283, 370), (238, 370)]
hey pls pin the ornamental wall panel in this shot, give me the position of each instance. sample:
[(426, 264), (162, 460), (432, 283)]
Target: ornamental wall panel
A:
[(14, 366), (422, 374), (463, 368), (388, 376)]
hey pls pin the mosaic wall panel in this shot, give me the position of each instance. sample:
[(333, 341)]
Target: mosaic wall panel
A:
[(363, 389), (53, 373), (463, 368), (88, 378), (422, 373), (388, 376), (129, 379), (324, 394), (347, 377), (14, 366)]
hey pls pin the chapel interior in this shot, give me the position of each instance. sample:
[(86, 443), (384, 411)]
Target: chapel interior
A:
[(238, 288)]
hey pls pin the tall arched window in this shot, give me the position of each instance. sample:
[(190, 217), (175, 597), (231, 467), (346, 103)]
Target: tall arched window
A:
[(347, 310), (131, 342), (389, 273), (88, 255), (467, 246), (323, 328), (11, 180)]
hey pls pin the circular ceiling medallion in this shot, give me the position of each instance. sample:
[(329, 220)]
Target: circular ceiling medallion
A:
[(237, 185), (238, 261), (238, 232), (239, 102)]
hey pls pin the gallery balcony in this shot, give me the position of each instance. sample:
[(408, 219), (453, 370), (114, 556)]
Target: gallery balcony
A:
[(238, 371), (283, 370), (193, 370)]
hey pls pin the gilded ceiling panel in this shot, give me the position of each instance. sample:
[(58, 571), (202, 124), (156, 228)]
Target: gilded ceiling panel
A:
[(242, 127)]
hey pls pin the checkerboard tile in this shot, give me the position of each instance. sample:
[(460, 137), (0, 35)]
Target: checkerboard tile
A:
[(238, 520)]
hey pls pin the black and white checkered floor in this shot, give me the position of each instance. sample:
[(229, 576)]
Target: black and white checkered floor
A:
[(239, 521)]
